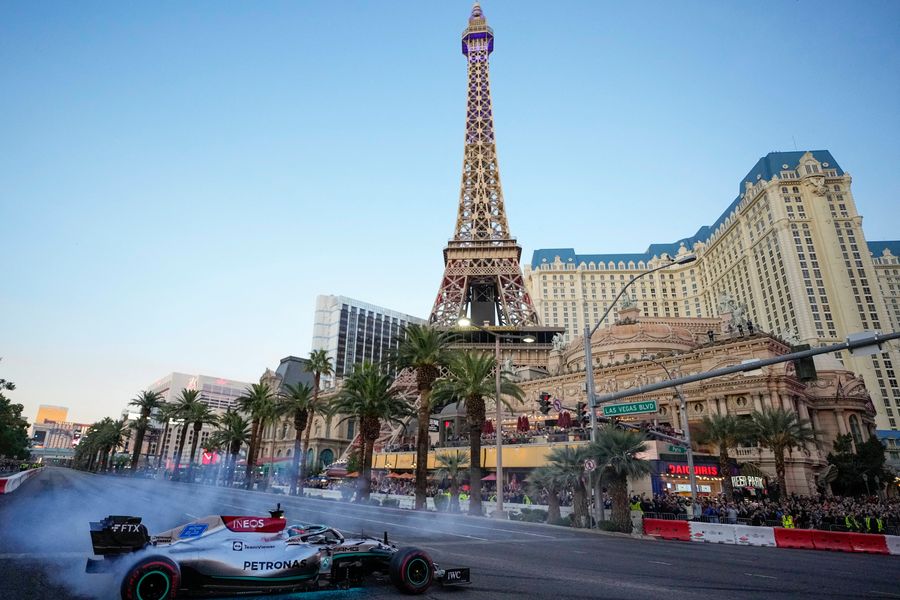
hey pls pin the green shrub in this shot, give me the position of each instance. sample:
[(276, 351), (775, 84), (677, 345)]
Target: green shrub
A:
[(530, 515), (441, 502), (391, 502), (612, 526), (374, 501), (563, 522)]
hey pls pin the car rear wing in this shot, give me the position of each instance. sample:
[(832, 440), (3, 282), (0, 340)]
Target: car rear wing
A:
[(118, 534)]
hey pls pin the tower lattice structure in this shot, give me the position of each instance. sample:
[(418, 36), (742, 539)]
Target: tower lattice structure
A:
[(481, 261)]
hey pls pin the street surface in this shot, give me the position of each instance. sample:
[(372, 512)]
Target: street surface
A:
[(44, 542)]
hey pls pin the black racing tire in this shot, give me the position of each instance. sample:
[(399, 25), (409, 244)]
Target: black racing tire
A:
[(153, 578), (411, 570)]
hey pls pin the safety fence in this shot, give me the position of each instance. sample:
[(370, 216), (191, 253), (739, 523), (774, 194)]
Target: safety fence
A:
[(11, 483), (780, 537), (888, 529)]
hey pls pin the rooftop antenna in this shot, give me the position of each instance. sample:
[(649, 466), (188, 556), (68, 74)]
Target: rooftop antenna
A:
[(795, 142)]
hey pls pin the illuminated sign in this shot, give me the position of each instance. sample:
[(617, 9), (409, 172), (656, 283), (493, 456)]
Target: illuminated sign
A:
[(709, 470), (747, 481)]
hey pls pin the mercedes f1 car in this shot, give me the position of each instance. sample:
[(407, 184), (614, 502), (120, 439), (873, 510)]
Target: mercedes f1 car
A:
[(221, 555)]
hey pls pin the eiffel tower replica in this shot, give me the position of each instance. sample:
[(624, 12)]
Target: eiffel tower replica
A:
[(482, 274)]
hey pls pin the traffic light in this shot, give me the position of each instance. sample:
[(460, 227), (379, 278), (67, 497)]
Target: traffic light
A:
[(582, 412), (805, 368), (544, 402)]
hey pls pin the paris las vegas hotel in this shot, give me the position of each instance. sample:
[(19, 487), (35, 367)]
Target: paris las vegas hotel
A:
[(790, 248)]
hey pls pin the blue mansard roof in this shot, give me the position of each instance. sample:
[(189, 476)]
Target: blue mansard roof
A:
[(877, 248), (766, 167)]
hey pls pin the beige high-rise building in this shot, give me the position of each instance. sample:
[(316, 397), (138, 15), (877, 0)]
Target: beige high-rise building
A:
[(789, 252)]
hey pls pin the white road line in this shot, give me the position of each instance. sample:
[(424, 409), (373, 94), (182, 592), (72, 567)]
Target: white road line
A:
[(757, 575), (345, 509), (659, 562), (40, 555), (888, 594)]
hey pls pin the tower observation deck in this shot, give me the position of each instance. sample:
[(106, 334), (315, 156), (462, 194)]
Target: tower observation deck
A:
[(482, 274)]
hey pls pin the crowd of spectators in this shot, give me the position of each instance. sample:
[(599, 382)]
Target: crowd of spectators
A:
[(834, 513)]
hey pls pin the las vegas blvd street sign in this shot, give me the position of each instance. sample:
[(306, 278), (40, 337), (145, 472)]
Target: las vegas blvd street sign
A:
[(629, 408)]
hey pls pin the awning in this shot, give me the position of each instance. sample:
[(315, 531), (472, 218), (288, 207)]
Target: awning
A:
[(491, 477)]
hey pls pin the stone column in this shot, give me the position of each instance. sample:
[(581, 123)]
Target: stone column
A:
[(757, 402), (841, 422)]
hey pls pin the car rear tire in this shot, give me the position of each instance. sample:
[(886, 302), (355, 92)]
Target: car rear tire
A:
[(154, 578), (411, 570)]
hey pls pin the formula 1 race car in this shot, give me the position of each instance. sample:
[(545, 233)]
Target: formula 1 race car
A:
[(219, 555)]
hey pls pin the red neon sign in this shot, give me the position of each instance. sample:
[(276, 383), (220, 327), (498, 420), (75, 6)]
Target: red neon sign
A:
[(710, 470)]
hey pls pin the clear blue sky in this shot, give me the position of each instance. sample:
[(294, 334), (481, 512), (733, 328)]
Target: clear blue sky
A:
[(179, 180)]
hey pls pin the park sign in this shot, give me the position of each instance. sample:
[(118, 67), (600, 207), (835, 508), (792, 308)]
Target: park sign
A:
[(629, 408)]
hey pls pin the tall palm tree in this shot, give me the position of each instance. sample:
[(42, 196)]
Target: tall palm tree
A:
[(232, 433), (111, 436), (368, 395), (146, 401), (781, 430), (319, 364), (425, 349), (724, 431), (256, 402), (470, 378), (451, 465), (200, 415), (566, 466), (297, 405), (166, 412), (616, 450), (183, 408), (544, 479)]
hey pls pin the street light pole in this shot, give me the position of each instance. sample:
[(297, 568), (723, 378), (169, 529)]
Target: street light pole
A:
[(527, 338), (589, 362), (687, 434)]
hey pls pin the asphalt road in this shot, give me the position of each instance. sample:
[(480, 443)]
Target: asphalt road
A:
[(44, 541)]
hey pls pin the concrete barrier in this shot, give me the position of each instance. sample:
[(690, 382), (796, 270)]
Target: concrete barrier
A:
[(870, 543), (893, 544), (668, 530), (13, 482), (745, 535), (832, 540), (714, 533)]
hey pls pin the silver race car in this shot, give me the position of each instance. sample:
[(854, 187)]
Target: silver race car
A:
[(219, 555)]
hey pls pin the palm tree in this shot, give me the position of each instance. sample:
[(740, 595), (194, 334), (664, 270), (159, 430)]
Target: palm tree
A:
[(544, 479), (424, 349), (368, 395), (146, 401), (297, 404), (184, 407), (470, 378), (566, 466), (111, 435), (616, 450), (781, 430), (451, 466), (200, 415), (319, 364), (724, 431), (167, 411), (256, 402), (232, 433)]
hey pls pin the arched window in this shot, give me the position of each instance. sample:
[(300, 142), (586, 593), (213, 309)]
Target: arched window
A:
[(326, 458), (855, 430)]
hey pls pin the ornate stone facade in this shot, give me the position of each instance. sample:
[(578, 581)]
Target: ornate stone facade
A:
[(836, 403)]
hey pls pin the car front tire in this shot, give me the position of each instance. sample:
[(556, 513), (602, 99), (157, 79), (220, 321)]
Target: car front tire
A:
[(411, 570)]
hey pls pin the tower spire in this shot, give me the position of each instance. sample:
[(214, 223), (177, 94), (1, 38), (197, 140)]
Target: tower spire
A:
[(482, 273)]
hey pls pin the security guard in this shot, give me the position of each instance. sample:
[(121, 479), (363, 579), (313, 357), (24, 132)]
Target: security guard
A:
[(787, 521)]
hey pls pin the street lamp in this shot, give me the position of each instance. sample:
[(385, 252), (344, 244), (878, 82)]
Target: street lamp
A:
[(687, 433), (464, 321), (589, 362)]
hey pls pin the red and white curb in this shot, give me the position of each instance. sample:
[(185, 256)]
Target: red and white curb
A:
[(744, 535)]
